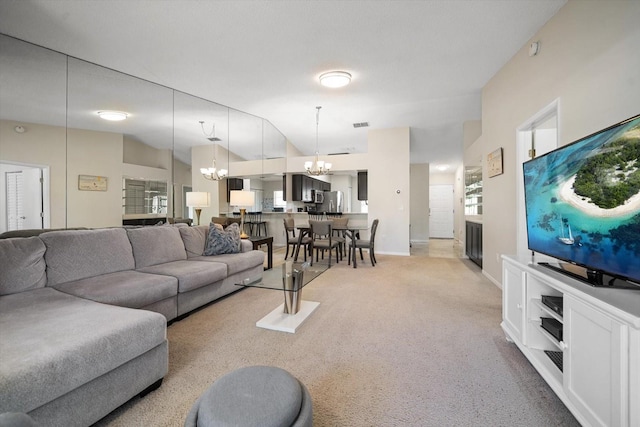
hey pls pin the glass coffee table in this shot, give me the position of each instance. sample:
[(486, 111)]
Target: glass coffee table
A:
[(288, 316)]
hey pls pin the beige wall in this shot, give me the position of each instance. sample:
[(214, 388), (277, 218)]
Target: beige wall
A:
[(137, 153), (42, 146), (389, 188), (100, 154), (588, 60), (419, 202)]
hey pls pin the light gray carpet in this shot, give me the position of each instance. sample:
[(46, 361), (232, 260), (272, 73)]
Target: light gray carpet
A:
[(414, 341)]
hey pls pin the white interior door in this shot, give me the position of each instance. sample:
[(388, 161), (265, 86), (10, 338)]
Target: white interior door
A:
[(23, 197), (441, 211)]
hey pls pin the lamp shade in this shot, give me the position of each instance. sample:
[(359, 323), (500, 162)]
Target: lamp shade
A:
[(241, 198), (198, 199)]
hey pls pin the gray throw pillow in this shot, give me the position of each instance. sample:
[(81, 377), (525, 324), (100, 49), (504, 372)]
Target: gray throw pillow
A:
[(222, 241)]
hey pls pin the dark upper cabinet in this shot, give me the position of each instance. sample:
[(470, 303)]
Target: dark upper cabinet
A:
[(303, 186), (362, 186), (297, 187), (233, 184)]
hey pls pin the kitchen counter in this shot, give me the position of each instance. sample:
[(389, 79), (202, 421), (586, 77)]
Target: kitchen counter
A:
[(275, 224)]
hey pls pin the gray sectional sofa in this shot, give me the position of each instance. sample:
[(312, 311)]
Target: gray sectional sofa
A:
[(83, 314)]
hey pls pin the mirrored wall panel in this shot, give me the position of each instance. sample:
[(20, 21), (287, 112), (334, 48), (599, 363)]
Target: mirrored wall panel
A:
[(137, 147), (64, 163), (32, 136)]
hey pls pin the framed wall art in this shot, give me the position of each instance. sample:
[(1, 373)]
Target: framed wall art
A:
[(494, 163), (92, 183)]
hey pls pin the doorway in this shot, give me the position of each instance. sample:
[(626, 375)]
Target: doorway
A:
[(535, 137), (441, 211), (24, 193)]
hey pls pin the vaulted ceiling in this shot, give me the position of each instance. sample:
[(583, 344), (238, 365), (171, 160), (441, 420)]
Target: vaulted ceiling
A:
[(418, 64)]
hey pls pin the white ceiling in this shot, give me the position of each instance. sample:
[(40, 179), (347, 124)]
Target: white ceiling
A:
[(420, 64)]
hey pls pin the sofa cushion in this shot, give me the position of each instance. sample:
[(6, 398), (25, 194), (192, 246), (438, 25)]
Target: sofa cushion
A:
[(52, 343), (194, 239), (156, 245), (190, 274), (236, 262), (77, 254), (22, 267), (124, 288), (222, 241)]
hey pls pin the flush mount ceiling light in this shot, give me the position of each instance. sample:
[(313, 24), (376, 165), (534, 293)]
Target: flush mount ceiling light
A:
[(114, 116), (335, 79)]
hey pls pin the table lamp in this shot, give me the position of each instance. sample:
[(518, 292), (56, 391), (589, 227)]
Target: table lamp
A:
[(198, 200), (242, 199)]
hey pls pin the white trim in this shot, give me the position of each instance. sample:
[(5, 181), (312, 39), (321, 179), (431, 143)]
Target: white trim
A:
[(522, 154), (392, 253), (494, 281)]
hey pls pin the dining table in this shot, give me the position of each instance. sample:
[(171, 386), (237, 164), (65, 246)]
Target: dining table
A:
[(351, 230)]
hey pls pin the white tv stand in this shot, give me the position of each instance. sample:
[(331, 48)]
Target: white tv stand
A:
[(600, 346)]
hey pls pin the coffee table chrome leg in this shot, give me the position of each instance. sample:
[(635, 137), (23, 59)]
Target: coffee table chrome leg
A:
[(292, 283), (292, 302)]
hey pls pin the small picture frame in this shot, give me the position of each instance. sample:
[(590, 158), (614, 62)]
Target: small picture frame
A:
[(92, 183), (494, 163)]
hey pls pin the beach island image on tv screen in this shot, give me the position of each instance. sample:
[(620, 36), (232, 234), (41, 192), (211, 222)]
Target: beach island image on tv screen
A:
[(583, 201)]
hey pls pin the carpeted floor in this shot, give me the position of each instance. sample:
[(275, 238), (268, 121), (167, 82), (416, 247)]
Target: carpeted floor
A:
[(414, 341)]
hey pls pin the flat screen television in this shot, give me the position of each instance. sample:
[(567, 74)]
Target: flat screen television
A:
[(582, 205)]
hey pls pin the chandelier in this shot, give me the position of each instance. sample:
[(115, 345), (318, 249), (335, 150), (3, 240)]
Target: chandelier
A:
[(317, 167), (212, 173)]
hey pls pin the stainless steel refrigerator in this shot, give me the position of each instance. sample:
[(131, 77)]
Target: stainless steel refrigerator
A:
[(333, 202)]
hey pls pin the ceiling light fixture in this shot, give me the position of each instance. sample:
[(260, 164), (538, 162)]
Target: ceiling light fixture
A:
[(317, 167), (113, 116), (212, 173), (335, 79)]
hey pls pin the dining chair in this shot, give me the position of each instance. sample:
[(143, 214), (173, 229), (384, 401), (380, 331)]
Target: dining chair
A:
[(258, 223), (321, 239), (340, 235), (366, 244), (292, 240)]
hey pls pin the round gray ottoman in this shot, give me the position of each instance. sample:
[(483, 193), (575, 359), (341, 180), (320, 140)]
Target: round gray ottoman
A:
[(261, 396)]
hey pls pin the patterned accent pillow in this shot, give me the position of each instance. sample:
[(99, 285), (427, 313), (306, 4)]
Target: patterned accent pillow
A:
[(222, 241)]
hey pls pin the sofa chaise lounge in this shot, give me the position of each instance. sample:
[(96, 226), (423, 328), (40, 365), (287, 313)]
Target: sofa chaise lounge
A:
[(83, 314)]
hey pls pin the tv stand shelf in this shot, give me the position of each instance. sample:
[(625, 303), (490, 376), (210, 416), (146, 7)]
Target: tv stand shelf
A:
[(596, 371)]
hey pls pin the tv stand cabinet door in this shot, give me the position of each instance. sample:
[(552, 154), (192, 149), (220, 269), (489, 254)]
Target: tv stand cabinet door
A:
[(513, 302), (595, 372)]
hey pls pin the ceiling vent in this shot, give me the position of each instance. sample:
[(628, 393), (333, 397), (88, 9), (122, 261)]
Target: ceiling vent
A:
[(361, 125)]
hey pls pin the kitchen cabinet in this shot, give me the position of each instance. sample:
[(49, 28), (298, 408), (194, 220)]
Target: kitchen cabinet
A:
[(233, 184), (363, 186), (303, 187), (473, 242)]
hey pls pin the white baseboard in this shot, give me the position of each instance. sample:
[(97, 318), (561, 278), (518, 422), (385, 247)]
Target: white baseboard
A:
[(494, 281), (394, 253)]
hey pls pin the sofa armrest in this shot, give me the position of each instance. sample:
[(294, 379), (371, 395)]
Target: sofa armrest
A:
[(246, 245)]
